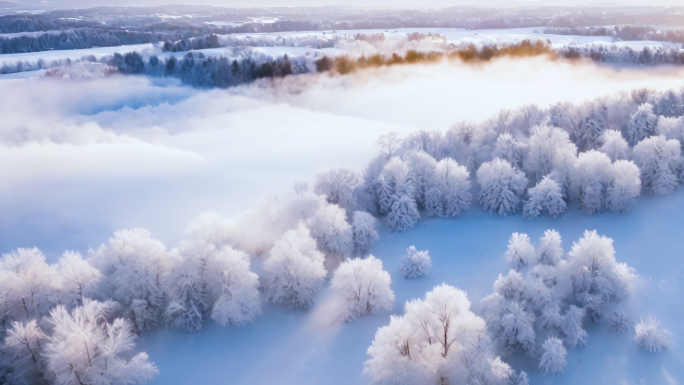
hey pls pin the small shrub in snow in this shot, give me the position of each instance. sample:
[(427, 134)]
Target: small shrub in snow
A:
[(546, 196), (501, 186), (365, 234), (363, 287), (294, 271), (520, 251), (553, 356), (651, 337), (415, 263)]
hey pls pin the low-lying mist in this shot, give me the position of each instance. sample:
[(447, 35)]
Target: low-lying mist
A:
[(81, 159)]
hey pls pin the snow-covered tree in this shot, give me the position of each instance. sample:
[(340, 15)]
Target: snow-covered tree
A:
[(404, 214), (332, 232), (448, 194), (550, 153), (85, 348), (651, 337), (590, 180), (553, 356), (572, 327), (591, 126), (614, 145), (78, 278), (338, 186), (294, 271), (510, 286), (365, 234), (187, 298), (135, 267), (619, 321), (550, 250), (389, 143), (520, 251), (28, 286), (362, 287), (423, 170), (509, 149), (597, 279), (642, 125), (235, 287), (625, 187), (22, 355), (500, 186), (438, 340), (671, 128), (415, 263), (660, 162), (546, 196), (509, 319)]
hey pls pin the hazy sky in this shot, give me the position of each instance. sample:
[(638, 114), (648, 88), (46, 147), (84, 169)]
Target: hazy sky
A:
[(379, 3)]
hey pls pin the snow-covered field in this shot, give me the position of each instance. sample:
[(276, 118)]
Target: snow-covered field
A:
[(288, 347)]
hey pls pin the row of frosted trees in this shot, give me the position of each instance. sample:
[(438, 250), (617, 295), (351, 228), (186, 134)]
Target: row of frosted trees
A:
[(76, 321), (600, 155)]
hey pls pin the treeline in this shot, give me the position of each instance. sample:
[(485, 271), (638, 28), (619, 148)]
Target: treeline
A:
[(624, 32), (346, 64), (611, 53)]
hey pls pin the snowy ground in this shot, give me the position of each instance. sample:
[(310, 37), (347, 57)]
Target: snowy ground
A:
[(305, 348)]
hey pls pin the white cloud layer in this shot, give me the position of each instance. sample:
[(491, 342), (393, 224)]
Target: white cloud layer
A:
[(81, 159)]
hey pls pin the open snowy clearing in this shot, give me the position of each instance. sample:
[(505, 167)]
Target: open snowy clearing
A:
[(287, 347)]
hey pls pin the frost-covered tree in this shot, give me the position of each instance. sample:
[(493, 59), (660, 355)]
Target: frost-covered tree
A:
[(394, 183), (520, 251), (332, 232), (591, 126), (550, 250), (389, 143), (509, 319), (625, 186), (28, 286), (423, 171), (438, 340), (362, 287), (415, 263), (21, 355), (338, 186), (671, 128), (78, 278), (651, 337), (294, 271), (365, 233), (590, 180), (550, 153), (597, 279), (553, 356), (572, 327), (509, 149), (234, 287), (187, 298), (669, 103), (546, 196), (642, 124), (614, 145), (619, 321), (500, 186), (135, 267), (448, 194), (404, 214), (660, 162), (85, 348)]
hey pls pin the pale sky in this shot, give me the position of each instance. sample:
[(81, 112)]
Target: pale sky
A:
[(366, 3)]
